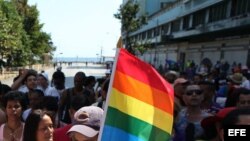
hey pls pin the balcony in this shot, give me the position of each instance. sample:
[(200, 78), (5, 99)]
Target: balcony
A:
[(240, 23)]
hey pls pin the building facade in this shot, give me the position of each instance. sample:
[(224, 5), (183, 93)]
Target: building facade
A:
[(182, 30)]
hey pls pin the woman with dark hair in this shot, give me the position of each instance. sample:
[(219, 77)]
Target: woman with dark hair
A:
[(38, 126), (12, 130)]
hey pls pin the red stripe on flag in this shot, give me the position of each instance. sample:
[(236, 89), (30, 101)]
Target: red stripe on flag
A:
[(141, 71)]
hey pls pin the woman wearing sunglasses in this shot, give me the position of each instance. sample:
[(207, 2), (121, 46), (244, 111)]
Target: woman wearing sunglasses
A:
[(187, 124)]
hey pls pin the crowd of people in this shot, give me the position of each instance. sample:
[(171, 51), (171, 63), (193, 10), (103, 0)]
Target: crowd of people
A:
[(207, 100), (35, 109)]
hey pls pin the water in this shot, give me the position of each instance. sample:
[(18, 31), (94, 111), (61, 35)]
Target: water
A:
[(76, 59), (83, 59)]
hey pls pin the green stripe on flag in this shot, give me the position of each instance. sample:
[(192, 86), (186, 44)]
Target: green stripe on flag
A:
[(135, 126)]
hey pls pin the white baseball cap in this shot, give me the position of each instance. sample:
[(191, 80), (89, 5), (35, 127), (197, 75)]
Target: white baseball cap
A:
[(88, 121), (89, 115), (84, 130), (45, 75)]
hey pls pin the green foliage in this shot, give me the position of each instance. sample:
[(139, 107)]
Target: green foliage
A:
[(40, 41), (11, 28), (130, 23), (22, 40), (141, 48)]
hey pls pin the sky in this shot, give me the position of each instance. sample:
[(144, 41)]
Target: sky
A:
[(80, 28)]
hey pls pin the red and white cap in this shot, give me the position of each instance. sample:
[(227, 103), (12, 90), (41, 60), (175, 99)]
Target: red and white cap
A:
[(84, 130), (89, 115), (88, 121)]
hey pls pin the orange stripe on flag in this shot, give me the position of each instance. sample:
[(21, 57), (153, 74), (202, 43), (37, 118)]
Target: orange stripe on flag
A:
[(143, 92)]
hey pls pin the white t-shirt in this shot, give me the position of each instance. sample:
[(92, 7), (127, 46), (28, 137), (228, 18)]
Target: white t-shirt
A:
[(50, 91), (23, 89)]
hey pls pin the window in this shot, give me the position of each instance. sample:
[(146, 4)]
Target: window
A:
[(217, 12), (156, 31), (240, 7), (199, 18), (164, 29), (186, 22), (149, 33), (139, 36), (176, 25), (143, 35)]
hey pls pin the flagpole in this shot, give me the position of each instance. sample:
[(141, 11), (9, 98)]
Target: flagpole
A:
[(108, 94)]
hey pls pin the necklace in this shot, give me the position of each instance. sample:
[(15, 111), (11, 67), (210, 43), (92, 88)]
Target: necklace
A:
[(14, 134)]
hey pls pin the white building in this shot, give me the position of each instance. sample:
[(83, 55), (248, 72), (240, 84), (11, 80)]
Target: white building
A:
[(196, 29)]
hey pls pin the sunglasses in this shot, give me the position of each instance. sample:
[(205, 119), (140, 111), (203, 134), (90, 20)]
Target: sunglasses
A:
[(191, 92)]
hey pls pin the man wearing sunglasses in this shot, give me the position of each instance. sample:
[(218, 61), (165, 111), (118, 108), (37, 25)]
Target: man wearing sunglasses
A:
[(187, 124)]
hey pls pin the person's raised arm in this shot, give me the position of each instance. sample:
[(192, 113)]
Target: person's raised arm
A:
[(16, 84), (22, 78)]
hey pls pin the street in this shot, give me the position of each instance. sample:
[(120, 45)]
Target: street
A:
[(96, 70)]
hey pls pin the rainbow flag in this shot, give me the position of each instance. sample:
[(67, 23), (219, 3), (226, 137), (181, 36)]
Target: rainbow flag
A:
[(139, 104)]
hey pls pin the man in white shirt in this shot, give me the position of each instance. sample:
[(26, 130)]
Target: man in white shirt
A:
[(26, 82), (43, 84)]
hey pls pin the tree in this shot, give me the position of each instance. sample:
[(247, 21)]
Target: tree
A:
[(4, 29), (35, 42), (40, 41), (22, 40), (10, 32), (130, 23)]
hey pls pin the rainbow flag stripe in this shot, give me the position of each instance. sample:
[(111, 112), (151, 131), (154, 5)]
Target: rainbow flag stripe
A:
[(140, 105)]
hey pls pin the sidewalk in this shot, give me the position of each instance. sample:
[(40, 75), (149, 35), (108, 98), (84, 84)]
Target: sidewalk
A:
[(8, 76)]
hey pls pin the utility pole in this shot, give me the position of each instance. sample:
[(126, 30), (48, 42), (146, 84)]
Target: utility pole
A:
[(101, 55)]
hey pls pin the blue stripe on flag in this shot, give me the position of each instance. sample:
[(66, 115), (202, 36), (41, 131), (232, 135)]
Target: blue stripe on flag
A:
[(115, 134)]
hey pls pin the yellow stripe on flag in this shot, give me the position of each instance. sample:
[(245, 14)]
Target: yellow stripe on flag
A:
[(143, 92), (141, 110)]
